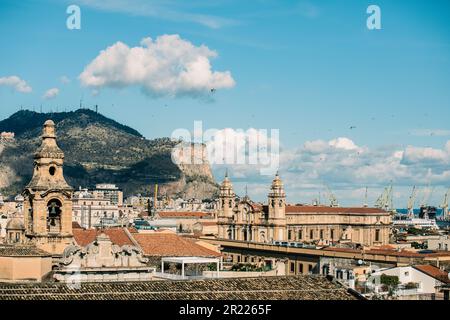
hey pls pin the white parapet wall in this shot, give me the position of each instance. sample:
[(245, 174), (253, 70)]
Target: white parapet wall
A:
[(240, 274)]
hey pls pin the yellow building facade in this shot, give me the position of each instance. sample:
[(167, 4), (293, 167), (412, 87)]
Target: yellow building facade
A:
[(245, 220), (48, 198)]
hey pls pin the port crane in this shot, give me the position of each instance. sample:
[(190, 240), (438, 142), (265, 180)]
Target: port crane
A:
[(385, 200), (366, 204), (444, 206), (333, 200), (411, 200), (426, 196)]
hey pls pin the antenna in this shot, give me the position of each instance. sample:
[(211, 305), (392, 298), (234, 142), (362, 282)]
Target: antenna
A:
[(96, 108), (366, 204)]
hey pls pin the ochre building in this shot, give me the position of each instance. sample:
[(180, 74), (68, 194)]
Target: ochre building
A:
[(48, 198), (245, 220)]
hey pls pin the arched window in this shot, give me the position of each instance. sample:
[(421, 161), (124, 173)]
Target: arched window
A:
[(54, 210), (262, 236), (230, 234)]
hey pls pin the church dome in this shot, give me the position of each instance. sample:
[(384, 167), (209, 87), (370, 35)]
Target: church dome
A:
[(15, 224), (226, 183), (277, 181)]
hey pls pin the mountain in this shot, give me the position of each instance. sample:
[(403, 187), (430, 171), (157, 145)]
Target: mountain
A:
[(99, 150)]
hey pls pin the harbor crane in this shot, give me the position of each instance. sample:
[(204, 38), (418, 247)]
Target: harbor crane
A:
[(426, 196), (333, 200), (366, 204), (385, 200), (444, 206), (411, 200)]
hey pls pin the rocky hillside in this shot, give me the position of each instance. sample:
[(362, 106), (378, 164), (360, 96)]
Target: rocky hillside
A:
[(99, 150)]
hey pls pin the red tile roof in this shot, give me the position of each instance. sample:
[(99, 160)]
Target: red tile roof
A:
[(132, 230), (76, 225), (394, 253), (343, 250), (184, 214), (257, 207), (406, 253), (171, 245), (325, 209), (208, 223), (433, 272), (117, 235)]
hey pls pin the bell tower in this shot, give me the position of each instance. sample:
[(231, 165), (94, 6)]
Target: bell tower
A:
[(48, 198), (226, 205), (277, 210)]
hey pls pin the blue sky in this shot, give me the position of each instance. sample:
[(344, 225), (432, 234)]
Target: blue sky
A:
[(309, 68)]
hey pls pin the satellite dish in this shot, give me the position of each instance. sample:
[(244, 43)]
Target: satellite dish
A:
[(360, 262)]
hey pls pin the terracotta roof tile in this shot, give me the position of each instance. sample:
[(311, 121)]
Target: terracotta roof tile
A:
[(305, 287), (76, 225), (394, 253), (434, 272), (22, 251), (132, 230), (117, 235), (183, 214), (325, 209), (208, 223), (170, 244), (406, 253)]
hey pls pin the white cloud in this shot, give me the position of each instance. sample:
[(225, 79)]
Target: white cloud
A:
[(414, 155), (316, 146), (15, 82), (64, 79), (343, 143), (348, 168), (51, 93), (167, 66), (251, 150)]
